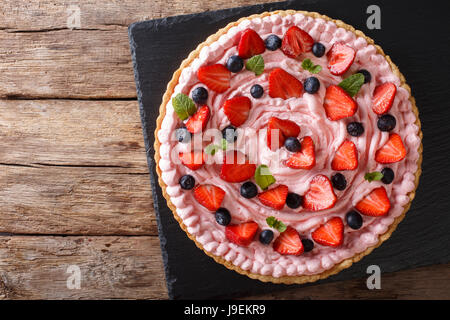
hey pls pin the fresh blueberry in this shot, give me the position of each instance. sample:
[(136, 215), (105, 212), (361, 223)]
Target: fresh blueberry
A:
[(308, 245), (388, 175), (266, 236), (354, 220), (386, 122), (249, 190), (229, 133), (355, 129), (187, 182), (312, 85), (318, 49), (292, 144), (256, 91), (339, 182), (223, 216), (366, 74), (294, 200), (200, 95), (183, 135), (235, 63), (273, 42)]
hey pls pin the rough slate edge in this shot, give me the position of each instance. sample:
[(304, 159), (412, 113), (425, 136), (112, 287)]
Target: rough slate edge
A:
[(182, 259)]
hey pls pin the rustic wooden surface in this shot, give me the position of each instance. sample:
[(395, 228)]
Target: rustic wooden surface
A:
[(74, 184)]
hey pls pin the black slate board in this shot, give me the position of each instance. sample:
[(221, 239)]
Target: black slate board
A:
[(159, 46)]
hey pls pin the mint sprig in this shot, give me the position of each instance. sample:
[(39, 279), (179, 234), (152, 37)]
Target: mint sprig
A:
[(255, 64), (352, 84), (276, 224), (373, 176), (183, 106), (308, 65), (213, 148), (263, 177)]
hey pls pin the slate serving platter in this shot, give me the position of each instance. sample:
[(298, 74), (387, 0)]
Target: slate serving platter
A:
[(159, 46)]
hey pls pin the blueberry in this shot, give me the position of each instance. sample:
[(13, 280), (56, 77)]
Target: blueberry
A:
[(256, 91), (339, 182), (229, 133), (200, 95), (249, 190), (312, 85), (366, 74), (187, 182), (223, 216), (386, 122), (308, 245), (235, 63), (388, 175), (273, 42), (292, 144), (294, 200), (354, 220), (266, 236), (183, 135), (318, 49), (355, 129)]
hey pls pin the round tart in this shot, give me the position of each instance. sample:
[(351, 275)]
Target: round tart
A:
[(288, 146)]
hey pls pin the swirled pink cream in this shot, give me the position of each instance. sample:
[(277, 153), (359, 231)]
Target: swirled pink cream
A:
[(308, 112)]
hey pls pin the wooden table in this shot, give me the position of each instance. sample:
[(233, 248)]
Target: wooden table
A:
[(74, 183)]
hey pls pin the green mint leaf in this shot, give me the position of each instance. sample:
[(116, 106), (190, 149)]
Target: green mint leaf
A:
[(255, 64), (263, 177), (352, 84), (373, 176), (183, 106), (308, 65), (276, 224), (224, 144), (211, 149)]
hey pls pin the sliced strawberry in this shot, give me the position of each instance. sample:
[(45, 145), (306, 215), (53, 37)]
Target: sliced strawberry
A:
[(346, 157), (338, 103), (320, 195), (392, 151), (305, 158), (286, 129), (198, 121), (283, 85), (383, 97), (375, 204), (241, 234), (236, 167), (296, 41), (237, 110), (288, 242), (275, 197), (209, 196), (330, 234), (194, 160), (250, 44), (340, 58), (216, 77)]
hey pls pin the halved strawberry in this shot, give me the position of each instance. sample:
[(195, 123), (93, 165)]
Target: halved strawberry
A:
[(340, 58), (250, 44), (236, 167), (346, 157), (216, 77), (193, 160), (305, 158), (383, 97), (288, 242), (237, 110), (320, 195), (296, 41), (338, 103), (286, 129), (375, 204), (209, 196), (331, 233), (392, 151), (241, 234), (284, 85), (275, 197), (198, 121)]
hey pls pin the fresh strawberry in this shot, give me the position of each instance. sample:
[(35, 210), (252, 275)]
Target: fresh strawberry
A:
[(199, 119), (283, 85), (275, 197), (305, 158), (237, 110), (392, 151), (375, 204), (193, 160), (216, 77), (250, 44), (296, 41), (320, 195), (340, 58), (383, 97), (330, 234), (286, 129), (209, 196), (241, 234), (346, 157), (288, 242), (338, 104), (236, 167)]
